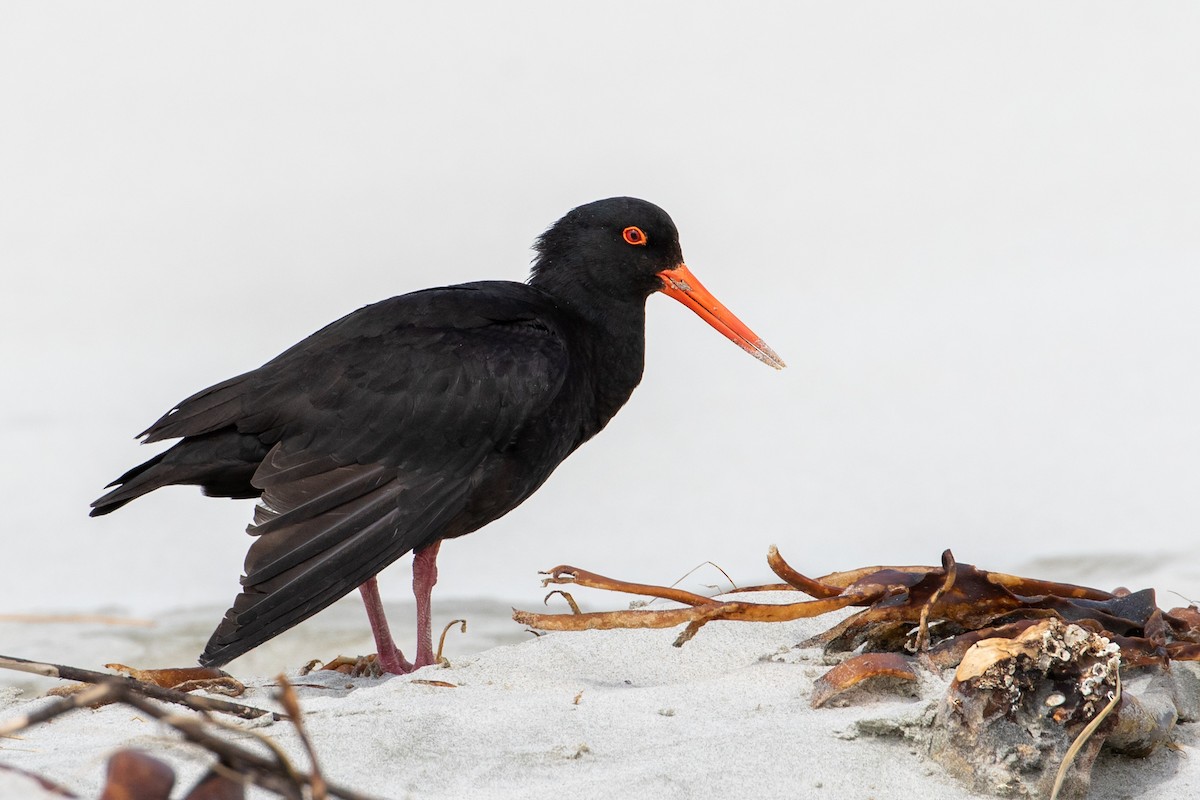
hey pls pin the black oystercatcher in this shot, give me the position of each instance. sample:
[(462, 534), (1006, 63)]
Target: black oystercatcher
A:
[(422, 418)]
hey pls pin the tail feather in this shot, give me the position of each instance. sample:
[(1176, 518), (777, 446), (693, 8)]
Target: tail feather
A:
[(204, 412), (222, 463)]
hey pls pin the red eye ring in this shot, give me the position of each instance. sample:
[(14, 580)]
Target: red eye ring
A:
[(634, 235)]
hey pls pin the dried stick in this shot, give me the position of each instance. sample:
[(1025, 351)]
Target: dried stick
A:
[(291, 704), (437, 659), (1081, 739), (147, 689), (277, 775), (581, 577)]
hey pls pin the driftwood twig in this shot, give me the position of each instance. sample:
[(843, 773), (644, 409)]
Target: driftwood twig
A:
[(274, 773), (195, 702)]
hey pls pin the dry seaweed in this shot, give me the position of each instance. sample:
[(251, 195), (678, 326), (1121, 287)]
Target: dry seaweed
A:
[(1036, 693), (945, 608), (881, 670)]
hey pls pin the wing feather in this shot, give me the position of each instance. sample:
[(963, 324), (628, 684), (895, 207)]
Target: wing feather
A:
[(382, 432)]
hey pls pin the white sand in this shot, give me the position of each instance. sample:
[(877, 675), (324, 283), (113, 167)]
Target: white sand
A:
[(725, 715)]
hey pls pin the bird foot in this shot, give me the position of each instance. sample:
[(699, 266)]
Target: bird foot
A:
[(367, 666), (355, 666)]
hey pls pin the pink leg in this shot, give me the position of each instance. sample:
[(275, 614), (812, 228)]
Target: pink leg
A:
[(424, 577), (390, 657)]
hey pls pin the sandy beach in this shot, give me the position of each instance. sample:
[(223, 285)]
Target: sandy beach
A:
[(588, 715)]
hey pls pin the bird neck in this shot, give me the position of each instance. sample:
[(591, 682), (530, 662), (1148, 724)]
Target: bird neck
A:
[(610, 346), (611, 355)]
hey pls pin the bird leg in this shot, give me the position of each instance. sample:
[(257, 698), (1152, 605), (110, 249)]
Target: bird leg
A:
[(424, 577), (391, 660)]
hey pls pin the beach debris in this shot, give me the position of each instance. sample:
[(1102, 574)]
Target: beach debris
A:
[(1039, 665), (369, 666), (925, 608), (217, 785), (877, 672), (438, 658), (1019, 710), (68, 690), (135, 775), (133, 685), (186, 679), (291, 705), (354, 666)]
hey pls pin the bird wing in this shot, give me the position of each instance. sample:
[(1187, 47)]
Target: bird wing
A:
[(381, 425)]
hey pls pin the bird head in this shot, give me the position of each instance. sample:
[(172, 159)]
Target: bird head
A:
[(627, 249)]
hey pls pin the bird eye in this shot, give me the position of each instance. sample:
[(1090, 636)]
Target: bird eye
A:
[(634, 235)]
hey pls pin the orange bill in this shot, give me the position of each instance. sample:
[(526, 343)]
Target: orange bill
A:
[(680, 283)]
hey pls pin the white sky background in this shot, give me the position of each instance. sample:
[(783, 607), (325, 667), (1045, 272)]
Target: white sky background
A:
[(972, 230)]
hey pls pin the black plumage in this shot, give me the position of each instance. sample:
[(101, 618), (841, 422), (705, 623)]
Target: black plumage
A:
[(417, 419)]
